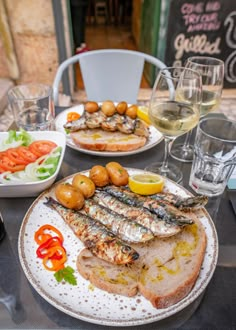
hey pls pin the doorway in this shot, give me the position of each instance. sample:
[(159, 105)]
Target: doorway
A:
[(102, 25)]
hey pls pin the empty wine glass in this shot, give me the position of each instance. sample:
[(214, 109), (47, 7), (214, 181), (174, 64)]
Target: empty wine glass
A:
[(212, 73), (174, 110)]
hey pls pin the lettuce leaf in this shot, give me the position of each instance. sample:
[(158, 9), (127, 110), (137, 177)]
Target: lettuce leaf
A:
[(15, 139), (49, 165)]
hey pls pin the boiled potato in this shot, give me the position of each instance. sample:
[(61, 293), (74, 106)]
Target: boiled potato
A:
[(121, 107), (91, 106), (108, 108), (69, 196), (99, 175), (84, 184), (132, 111), (117, 174)]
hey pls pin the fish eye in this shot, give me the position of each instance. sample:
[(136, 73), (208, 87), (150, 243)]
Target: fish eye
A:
[(126, 249)]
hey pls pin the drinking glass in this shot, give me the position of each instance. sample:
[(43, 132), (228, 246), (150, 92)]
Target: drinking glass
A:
[(214, 156), (212, 73), (32, 106), (174, 110)]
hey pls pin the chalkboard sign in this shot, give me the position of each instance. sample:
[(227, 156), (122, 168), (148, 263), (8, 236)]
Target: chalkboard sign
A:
[(205, 28)]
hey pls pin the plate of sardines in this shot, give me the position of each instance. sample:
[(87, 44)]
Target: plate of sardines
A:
[(107, 128), (100, 251)]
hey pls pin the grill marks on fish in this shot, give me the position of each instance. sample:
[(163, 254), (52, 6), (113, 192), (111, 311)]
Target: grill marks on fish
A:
[(183, 204), (113, 123), (125, 228), (163, 210), (159, 228), (96, 237)]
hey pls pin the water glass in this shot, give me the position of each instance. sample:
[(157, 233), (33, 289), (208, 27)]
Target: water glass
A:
[(214, 156), (32, 106)]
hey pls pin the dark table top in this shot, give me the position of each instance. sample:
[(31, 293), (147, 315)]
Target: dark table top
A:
[(21, 307)]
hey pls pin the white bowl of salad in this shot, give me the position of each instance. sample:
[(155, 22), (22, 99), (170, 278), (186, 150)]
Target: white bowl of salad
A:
[(29, 161)]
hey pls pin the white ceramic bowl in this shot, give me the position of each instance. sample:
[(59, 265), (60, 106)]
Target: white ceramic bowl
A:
[(30, 189)]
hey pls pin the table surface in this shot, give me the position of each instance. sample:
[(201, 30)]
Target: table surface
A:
[(21, 307)]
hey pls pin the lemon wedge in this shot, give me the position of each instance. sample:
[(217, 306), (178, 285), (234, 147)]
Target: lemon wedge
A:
[(146, 183), (142, 114)]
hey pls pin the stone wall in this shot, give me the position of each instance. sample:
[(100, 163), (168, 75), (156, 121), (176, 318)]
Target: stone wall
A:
[(32, 28)]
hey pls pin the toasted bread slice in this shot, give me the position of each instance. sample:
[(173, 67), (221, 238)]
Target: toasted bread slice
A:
[(112, 278), (99, 140), (169, 274), (164, 274)]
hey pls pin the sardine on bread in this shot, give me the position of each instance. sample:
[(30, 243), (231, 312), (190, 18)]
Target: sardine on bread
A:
[(165, 272)]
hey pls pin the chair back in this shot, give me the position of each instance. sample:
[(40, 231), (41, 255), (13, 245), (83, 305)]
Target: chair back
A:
[(109, 74)]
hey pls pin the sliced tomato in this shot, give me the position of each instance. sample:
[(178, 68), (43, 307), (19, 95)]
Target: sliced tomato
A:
[(26, 154), (8, 165), (2, 153), (42, 147), (2, 170), (14, 155)]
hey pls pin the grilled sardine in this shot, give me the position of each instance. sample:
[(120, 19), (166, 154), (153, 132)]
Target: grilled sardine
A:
[(165, 211), (143, 217), (121, 226), (113, 123), (182, 203), (95, 236)]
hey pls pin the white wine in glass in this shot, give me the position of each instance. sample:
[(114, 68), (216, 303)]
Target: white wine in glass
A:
[(174, 110), (212, 72)]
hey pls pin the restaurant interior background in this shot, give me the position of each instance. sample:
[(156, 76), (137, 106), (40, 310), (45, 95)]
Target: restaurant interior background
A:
[(36, 36)]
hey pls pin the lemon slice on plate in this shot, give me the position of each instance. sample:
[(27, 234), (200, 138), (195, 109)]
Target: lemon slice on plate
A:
[(146, 183), (142, 113)]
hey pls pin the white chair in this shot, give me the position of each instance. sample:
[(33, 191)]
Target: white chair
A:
[(113, 74)]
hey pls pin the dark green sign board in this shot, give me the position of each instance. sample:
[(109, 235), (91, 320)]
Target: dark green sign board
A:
[(206, 27)]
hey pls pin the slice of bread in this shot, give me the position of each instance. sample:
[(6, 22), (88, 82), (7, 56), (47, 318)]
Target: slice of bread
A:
[(164, 274), (112, 278), (169, 275), (99, 140)]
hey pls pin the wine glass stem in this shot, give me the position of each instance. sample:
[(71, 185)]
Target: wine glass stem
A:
[(164, 166), (187, 140)]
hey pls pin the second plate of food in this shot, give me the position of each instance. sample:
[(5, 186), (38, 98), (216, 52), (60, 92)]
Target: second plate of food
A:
[(128, 143)]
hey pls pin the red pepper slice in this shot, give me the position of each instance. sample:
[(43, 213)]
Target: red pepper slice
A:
[(41, 236), (55, 264), (43, 249)]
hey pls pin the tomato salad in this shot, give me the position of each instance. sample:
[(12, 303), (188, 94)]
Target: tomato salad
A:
[(23, 159)]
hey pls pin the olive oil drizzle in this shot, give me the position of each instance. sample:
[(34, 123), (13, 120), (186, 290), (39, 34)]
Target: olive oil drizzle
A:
[(181, 249)]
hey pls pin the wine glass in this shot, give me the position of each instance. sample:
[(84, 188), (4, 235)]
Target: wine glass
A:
[(212, 73), (174, 110)]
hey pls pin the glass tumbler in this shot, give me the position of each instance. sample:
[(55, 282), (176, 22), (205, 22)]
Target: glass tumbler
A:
[(32, 106)]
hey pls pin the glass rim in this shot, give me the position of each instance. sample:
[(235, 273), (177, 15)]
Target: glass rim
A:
[(182, 68), (212, 136), (45, 86), (218, 61)]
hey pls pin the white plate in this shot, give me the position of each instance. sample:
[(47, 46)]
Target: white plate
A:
[(92, 304), (29, 189), (154, 138)]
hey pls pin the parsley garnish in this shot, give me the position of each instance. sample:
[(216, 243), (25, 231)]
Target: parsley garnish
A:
[(66, 274)]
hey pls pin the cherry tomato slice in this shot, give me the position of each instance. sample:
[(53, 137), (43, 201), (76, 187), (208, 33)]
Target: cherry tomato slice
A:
[(71, 116), (7, 164), (14, 156), (42, 147), (26, 154)]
